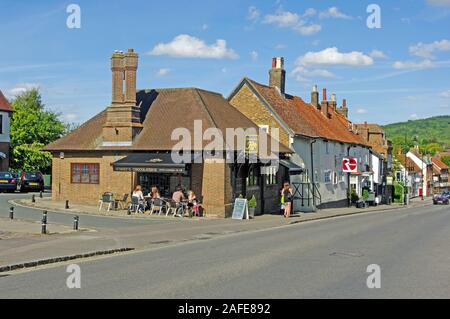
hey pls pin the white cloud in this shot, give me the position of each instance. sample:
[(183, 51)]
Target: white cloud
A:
[(333, 13), (308, 29), (439, 3), (445, 94), (286, 19), (300, 72), (426, 50), (204, 27), (361, 111), (414, 116), (309, 13), (70, 117), (20, 88), (224, 70), (377, 54), (254, 55), (186, 46), (283, 19), (280, 46), (413, 65), (163, 72), (331, 56), (253, 14)]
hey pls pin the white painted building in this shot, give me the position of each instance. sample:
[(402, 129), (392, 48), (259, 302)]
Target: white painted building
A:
[(5, 118)]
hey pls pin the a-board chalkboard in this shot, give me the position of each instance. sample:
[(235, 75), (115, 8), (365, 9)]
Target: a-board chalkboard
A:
[(240, 210)]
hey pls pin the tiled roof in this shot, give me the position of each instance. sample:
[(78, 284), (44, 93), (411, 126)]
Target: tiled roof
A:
[(411, 165), (439, 163), (85, 137), (163, 111), (4, 104), (304, 119)]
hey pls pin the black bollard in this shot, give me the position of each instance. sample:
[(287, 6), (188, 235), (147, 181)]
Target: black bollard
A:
[(44, 222), (11, 213), (76, 220), (33, 199), (67, 204)]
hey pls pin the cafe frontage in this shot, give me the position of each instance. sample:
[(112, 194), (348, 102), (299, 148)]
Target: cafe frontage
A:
[(131, 143)]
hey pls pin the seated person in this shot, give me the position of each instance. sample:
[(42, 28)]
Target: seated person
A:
[(138, 193), (193, 202), (178, 195)]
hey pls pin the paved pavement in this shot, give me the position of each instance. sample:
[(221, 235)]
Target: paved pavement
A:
[(325, 258), (106, 233)]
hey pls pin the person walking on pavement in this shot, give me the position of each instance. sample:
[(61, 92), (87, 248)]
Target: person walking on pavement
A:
[(286, 198)]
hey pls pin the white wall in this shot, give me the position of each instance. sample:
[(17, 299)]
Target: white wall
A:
[(423, 167), (376, 169), (329, 160), (4, 137)]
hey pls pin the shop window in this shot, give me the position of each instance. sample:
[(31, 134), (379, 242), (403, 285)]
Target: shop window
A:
[(271, 175), (253, 177), (327, 176), (85, 173)]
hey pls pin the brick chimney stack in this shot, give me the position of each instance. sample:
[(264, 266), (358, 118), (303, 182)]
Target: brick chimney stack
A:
[(277, 74), (315, 97), (123, 117), (130, 67), (333, 102), (117, 69), (343, 110), (324, 103)]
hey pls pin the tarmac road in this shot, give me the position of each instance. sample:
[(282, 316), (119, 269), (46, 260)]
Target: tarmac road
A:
[(319, 259)]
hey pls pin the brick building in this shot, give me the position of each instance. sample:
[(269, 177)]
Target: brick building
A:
[(440, 175), (319, 133), (5, 118), (132, 140)]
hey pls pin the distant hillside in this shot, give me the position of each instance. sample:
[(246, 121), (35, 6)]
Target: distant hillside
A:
[(433, 133)]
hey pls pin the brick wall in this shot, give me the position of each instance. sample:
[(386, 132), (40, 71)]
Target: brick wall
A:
[(250, 105), (217, 188), (109, 181)]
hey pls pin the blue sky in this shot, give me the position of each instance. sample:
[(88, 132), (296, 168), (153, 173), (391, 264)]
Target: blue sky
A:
[(395, 73)]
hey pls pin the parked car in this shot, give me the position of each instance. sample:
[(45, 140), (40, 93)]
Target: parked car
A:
[(440, 199), (31, 181), (8, 181)]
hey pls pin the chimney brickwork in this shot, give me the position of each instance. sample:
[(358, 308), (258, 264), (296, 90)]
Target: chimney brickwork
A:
[(123, 120), (277, 74)]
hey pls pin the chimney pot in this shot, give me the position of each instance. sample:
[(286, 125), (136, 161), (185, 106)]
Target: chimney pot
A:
[(324, 94), (333, 97), (314, 89), (344, 103)]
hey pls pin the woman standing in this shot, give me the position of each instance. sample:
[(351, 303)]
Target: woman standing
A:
[(286, 198)]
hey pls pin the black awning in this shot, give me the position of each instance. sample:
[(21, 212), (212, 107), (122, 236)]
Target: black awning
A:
[(294, 169), (149, 163)]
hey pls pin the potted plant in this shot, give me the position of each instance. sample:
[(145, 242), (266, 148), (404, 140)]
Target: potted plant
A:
[(251, 206)]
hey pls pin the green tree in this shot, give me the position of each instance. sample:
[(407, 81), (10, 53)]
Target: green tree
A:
[(33, 127), (446, 160)]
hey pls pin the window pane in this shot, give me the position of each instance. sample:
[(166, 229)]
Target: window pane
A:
[(94, 174), (76, 170), (85, 173)]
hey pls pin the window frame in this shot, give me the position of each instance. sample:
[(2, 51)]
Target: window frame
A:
[(91, 169)]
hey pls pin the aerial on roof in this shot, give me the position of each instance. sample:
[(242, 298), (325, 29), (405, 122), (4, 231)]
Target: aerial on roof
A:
[(4, 104), (163, 111), (303, 118)]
